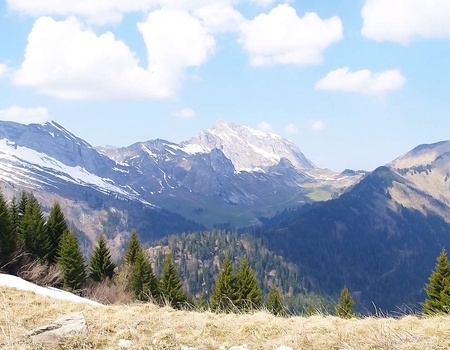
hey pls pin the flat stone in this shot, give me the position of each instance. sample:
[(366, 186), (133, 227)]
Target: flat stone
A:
[(61, 328)]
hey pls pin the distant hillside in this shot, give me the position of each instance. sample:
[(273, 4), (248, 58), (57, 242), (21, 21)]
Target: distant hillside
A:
[(198, 256), (381, 249)]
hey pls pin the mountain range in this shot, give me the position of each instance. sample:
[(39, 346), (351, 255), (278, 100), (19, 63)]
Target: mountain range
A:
[(229, 174), (377, 233)]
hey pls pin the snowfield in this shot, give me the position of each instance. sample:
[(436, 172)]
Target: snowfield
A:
[(10, 281)]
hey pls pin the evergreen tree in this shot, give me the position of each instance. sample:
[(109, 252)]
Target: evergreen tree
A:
[(32, 231), (143, 281), (134, 248), (22, 204), (101, 265), (275, 303), (14, 215), (55, 226), (224, 297), (438, 288), (345, 305), (249, 293), (170, 285), (71, 261), (7, 238)]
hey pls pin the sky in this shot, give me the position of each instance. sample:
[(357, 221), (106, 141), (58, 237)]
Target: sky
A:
[(353, 83)]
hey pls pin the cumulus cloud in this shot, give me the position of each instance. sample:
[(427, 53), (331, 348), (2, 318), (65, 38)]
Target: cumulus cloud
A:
[(220, 17), (175, 40), (67, 60), (362, 81), (291, 129), (3, 70), (25, 115), (264, 3), (102, 12), (282, 37), (265, 126), (317, 125), (403, 21), (185, 113)]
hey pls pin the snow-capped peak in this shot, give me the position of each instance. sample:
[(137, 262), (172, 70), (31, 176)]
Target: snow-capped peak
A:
[(247, 148)]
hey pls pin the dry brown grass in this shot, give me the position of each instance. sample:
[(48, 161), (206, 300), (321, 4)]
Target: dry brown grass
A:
[(150, 327)]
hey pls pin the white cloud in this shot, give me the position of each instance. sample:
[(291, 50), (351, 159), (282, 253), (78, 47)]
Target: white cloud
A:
[(102, 11), (405, 20), (282, 37), (264, 3), (265, 126), (220, 17), (291, 129), (3, 70), (25, 115), (66, 60), (317, 125), (185, 113), (175, 40), (362, 81)]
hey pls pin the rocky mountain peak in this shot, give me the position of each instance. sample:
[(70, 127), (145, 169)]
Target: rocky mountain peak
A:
[(248, 149)]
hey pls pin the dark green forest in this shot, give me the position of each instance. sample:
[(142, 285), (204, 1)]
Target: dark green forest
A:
[(296, 262)]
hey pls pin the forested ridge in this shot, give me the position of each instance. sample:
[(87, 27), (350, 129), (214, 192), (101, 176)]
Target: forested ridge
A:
[(220, 270)]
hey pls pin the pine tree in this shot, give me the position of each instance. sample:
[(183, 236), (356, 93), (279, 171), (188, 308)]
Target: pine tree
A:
[(55, 226), (134, 247), (101, 265), (275, 303), (32, 231), (71, 261), (143, 281), (22, 204), (170, 285), (7, 238), (345, 305), (224, 297), (249, 293), (14, 215), (438, 288)]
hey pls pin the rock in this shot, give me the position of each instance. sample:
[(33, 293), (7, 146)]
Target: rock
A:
[(188, 348), (124, 344), (284, 347), (241, 347), (61, 328)]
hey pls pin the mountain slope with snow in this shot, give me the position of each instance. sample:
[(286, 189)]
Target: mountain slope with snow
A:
[(248, 149), (230, 174)]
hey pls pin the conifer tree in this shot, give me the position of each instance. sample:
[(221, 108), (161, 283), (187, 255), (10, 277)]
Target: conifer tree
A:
[(32, 231), (224, 297), (275, 303), (14, 215), (134, 248), (438, 288), (71, 261), (55, 226), (22, 204), (249, 293), (143, 281), (101, 265), (170, 285), (7, 238), (345, 305)]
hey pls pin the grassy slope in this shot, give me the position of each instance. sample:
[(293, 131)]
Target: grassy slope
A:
[(150, 327)]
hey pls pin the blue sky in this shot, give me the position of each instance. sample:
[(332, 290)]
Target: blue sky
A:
[(354, 83)]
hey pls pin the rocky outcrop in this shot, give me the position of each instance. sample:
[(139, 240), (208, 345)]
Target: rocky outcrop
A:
[(59, 330)]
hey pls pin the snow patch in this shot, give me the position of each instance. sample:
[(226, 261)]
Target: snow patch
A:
[(10, 281)]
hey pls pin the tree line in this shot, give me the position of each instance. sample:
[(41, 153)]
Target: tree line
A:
[(26, 235)]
